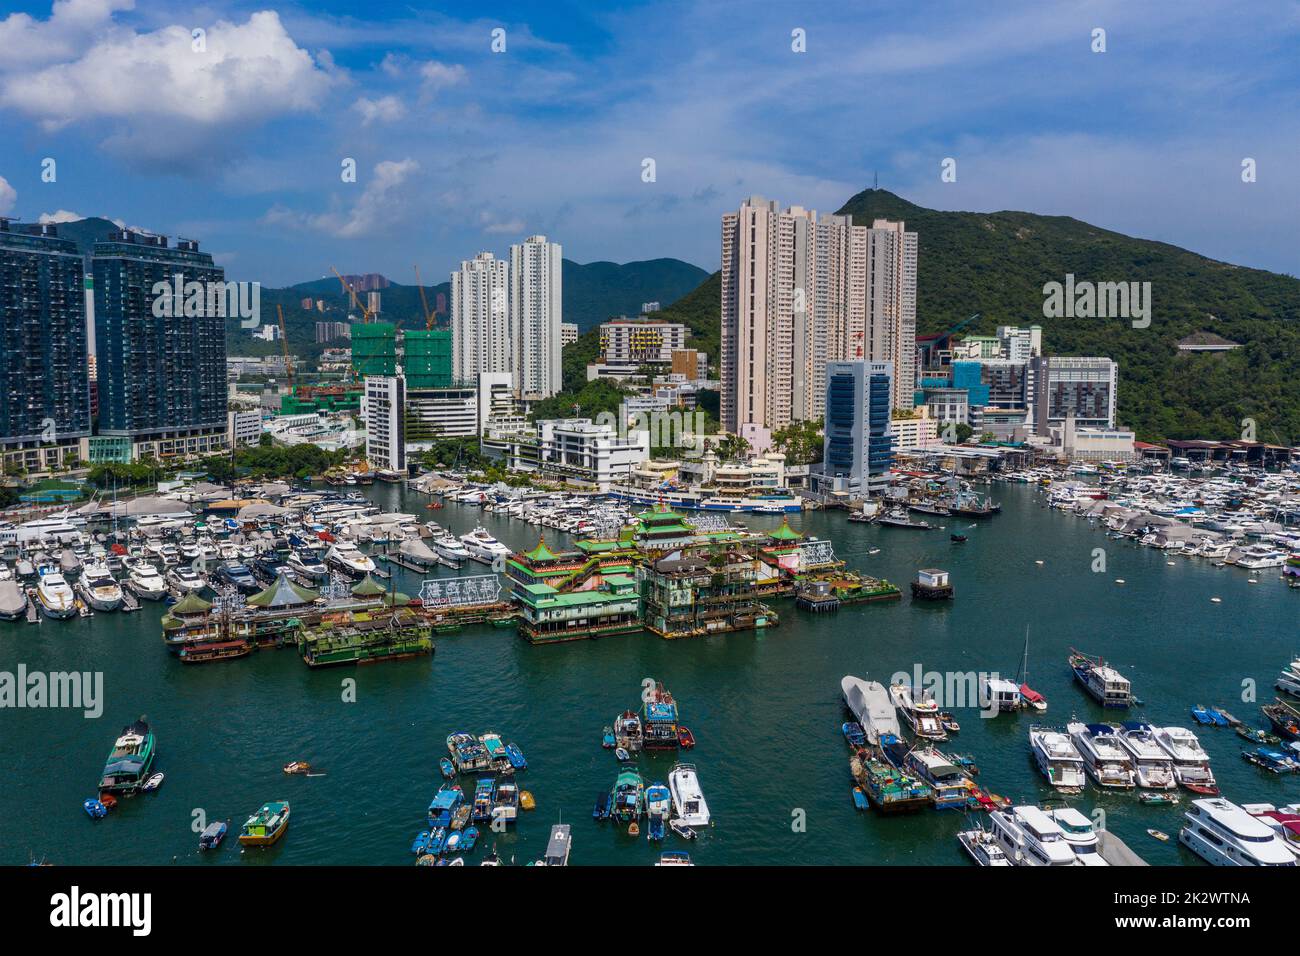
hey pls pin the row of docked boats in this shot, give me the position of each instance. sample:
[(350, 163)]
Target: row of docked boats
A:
[(1128, 756), (678, 805)]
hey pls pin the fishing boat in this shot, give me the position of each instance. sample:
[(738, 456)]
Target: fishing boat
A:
[(860, 801), (685, 739), (948, 722), (446, 768), (1057, 757), (1284, 718), (919, 710), (854, 734), (658, 805), (128, 766), (674, 858), (1201, 715), (688, 798), (558, 846), (888, 789), (1274, 761), (627, 799), (469, 837), (1104, 758), (437, 841), (94, 809), (505, 801), (212, 835), (949, 784), (1222, 717), (601, 810), (482, 806), (1152, 765), (516, 757), (267, 825), (1256, 736), (1191, 762), (659, 719), (983, 848), (526, 801), (627, 731), (54, 596), (1106, 685), (297, 767), (443, 806), (607, 740), (420, 845)]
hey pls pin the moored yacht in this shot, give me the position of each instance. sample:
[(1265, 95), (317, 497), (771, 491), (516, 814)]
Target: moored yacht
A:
[(55, 597), (102, 589), (146, 582), (184, 579), (348, 558), (483, 547), (688, 798), (308, 565), (919, 710), (1151, 764), (1080, 834), (869, 702), (1191, 762), (983, 848), (1029, 837), (1104, 758), (449, 548), (1223, 834), (1057, 757)]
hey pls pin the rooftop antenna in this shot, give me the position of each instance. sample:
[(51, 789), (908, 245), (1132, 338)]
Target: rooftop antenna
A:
[(875, 179)]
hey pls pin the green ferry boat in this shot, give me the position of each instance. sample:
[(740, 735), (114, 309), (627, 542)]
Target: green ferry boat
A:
[(130, 761), (364, 637), (889, 790)]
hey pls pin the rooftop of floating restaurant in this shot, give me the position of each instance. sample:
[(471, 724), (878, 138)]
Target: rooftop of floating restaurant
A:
[(283, 593)]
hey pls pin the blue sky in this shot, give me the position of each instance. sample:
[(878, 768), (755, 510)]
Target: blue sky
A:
[(460, 149)]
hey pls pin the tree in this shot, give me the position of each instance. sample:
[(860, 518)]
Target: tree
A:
[(800, 442), (733, 448)]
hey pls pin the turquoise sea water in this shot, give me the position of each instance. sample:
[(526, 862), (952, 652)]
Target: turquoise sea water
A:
[(765, 708)]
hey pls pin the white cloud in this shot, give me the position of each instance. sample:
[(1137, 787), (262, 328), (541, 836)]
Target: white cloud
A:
[(248, 72), (27, 40), (381, 202), (386, 109), (436, 76), (61, 215), (8, 196)]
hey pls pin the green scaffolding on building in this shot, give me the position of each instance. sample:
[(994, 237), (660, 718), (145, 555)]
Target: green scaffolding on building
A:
[(427, 359), (374, 349)]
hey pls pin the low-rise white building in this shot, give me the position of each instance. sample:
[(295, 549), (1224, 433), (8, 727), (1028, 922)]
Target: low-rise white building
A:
[(576, 451), (243, 427)]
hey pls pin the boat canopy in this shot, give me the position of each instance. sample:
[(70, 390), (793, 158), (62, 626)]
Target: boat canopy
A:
[(1101, 730)]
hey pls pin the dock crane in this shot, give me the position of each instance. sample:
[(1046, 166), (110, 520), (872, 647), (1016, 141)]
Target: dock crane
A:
[(424, 302)]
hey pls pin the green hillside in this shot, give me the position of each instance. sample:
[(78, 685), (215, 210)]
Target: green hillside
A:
[(997, 263), (597, 290)]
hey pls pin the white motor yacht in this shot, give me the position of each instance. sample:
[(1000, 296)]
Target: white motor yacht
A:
[(1029, 837), (1057, 757), (1104, 758), (348, 559), (1153, 766), (146, 582), (483, 547), (308, 565), (1191, 762), (919, 709), (1223, 834), (183, 579), (1080, 834), (449, 548), (55, 597), (102, 588), (688, 799)]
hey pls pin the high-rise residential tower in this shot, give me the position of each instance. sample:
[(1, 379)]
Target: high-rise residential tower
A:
[(162, 371), (858, 440), (480, 324), (44, 383), (536, 315), (891, 303)]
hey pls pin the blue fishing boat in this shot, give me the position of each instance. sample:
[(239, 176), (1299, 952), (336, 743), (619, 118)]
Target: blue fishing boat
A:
[(469, 838), (601, 810), (854, 734), (516, 757), (443, 806), (1201, 715), (860, 801), (1274, 761), (1217, 717), (454, 842), (607, 741), (447, 768), (482, 808), (212, 836), (437, 841), (94, 809), (658, 805), (420, 845)]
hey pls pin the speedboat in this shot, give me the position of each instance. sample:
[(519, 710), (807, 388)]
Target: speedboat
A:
[(55, 597), (1224, 834), (1191, 762), (983, 848), (1152, 764), (483, 547), (1057, 758), (146, 582), (347, 558), (1104, 757), (102, 589), (1080, 834), (1029, 837), (308, 565), (688, 799)]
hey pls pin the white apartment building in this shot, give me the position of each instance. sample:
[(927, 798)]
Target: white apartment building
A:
[(576, 451), (891, 303), (568, 333), (480, 318), (384, 412), (496, 399), (243, 427), (536, 313), (1020, 345), (642, 341), (916, 432)]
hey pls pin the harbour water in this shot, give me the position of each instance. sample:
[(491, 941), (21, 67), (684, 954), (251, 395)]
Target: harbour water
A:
[(765, 708)]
